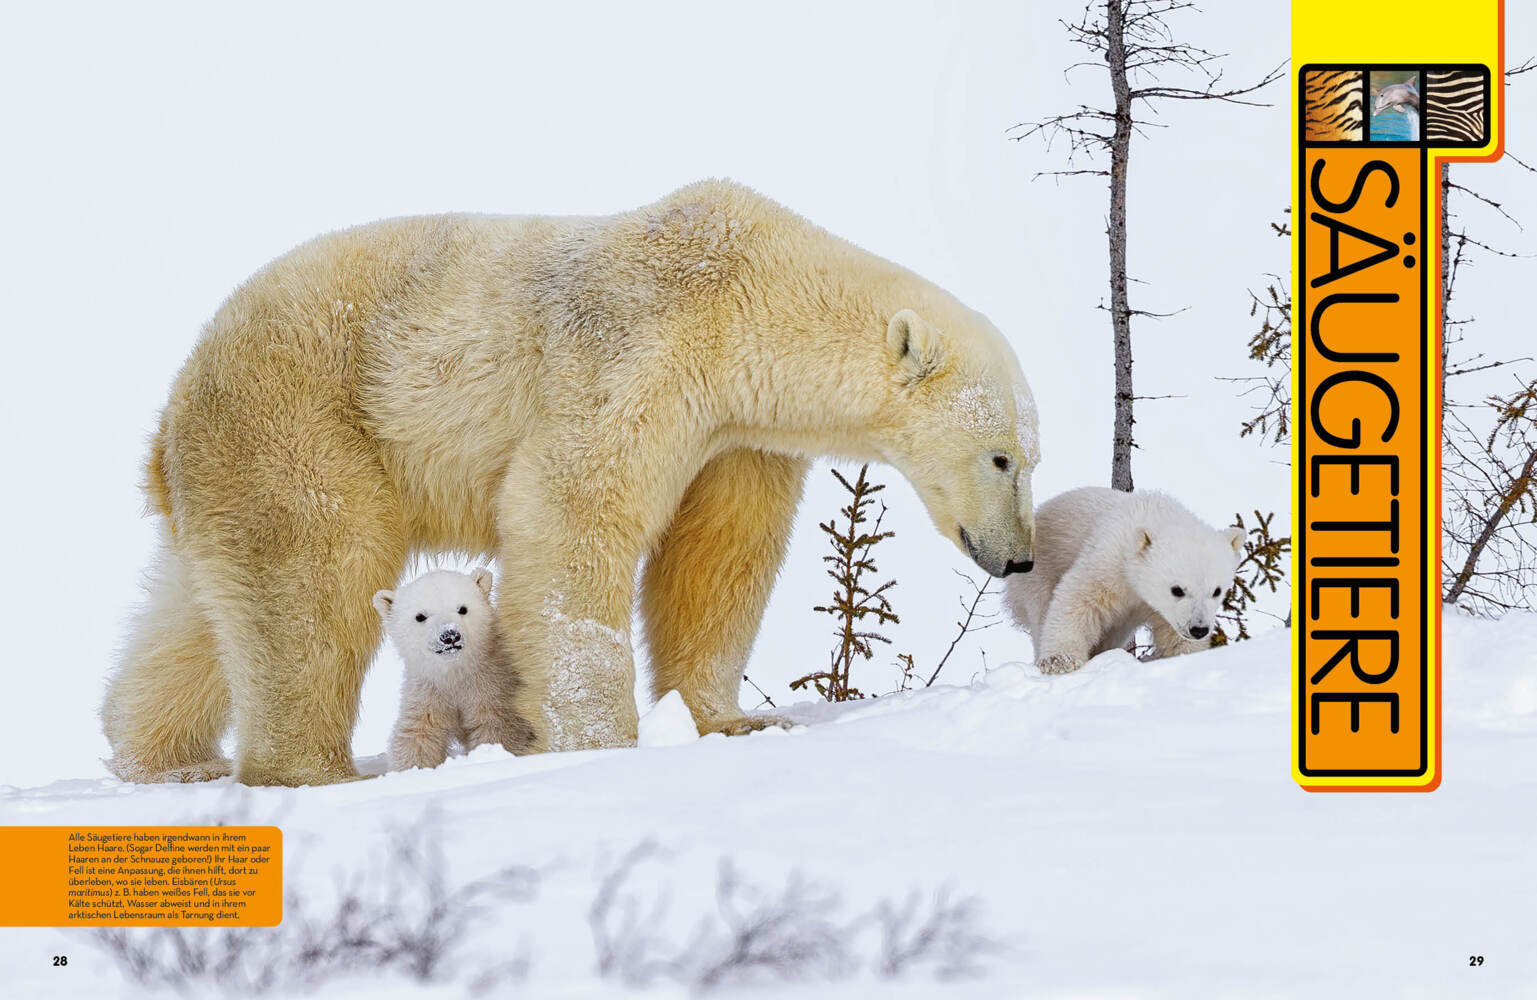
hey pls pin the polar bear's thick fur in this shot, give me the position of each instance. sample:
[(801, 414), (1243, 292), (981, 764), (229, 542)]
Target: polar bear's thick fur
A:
[(458, 687), (1108, 562), (572, 395)]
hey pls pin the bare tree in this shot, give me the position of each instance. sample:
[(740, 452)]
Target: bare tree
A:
[(1134, 43), (1489, 448)]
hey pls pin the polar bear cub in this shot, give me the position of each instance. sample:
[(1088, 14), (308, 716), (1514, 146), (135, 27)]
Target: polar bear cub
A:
[(1107, 562), (458, 687)]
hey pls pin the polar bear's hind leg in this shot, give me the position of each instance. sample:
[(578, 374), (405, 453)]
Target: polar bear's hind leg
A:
[(709, 580), (168, 704)]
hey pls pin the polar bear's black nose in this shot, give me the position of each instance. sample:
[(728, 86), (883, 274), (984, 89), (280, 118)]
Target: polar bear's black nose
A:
[(1018, 567), (1199, 631), (450, 637)]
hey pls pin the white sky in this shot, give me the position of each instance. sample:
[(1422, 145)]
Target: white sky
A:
[(155, 156)]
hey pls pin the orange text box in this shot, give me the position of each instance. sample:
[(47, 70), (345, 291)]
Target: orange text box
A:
[(208, 876), (1363, 372)]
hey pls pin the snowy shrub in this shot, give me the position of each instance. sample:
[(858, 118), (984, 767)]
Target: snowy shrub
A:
[(401, 915), (756, 936), (943, 936)]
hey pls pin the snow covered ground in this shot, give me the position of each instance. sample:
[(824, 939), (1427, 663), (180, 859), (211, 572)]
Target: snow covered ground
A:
[(1130, 829)]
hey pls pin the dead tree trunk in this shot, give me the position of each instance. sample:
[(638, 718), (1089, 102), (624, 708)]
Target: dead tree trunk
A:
[(1132, 41), (1120, 305), (1444, 179)]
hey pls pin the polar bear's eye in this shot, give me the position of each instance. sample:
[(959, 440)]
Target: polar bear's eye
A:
[(1177, 591), (1002, 462), (420, 617), (463, 610), (1217, 592)]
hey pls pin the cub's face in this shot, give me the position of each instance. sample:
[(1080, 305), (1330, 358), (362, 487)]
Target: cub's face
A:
[(435, 618), (963, 432), (1183, 577)]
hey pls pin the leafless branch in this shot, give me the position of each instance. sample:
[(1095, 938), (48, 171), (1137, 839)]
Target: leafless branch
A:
[(766, 699), (1486, 200), (965, 624)]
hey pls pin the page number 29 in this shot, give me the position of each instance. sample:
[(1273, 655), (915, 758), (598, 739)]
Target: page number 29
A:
[(1475, 960)]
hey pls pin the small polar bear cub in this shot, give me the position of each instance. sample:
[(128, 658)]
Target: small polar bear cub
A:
[(1107, 562), (457, 687)]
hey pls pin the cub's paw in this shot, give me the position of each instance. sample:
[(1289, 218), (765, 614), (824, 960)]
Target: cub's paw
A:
[(514, 735), (1059, 663), (741, 725), (410, 756)]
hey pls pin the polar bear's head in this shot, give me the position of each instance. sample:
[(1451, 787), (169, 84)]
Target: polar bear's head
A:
[(962, 429), (1182, 574), (437, 616)]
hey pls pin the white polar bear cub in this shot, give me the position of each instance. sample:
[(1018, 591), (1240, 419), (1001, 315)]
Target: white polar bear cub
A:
[(1107, 562), (458, 687)]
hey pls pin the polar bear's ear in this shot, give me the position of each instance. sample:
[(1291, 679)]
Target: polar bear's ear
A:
[(1235, 538), (383, 601), (914, 345), (483, 579), (1145, 544)]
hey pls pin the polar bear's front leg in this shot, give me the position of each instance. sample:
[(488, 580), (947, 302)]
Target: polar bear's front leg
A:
[(427, 724), (565, 616), (709, 580), (574, 515), (489, 715), (1081, 609)]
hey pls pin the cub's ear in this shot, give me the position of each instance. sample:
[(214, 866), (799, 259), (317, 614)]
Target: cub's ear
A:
[(483, 579), (383, 601), (915, 346), (1145, 544), (1235, 537)]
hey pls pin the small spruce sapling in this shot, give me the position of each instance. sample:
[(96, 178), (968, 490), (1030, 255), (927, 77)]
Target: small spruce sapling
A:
[(854, 602)]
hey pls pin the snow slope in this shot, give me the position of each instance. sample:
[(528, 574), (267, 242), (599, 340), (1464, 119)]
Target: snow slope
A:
[(1130, 829)]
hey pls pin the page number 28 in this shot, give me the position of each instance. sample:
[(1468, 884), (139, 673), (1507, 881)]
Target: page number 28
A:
[(59, 960), (1475, 960)]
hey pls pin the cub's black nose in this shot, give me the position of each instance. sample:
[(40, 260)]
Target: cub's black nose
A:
[(1018, 567), (1199, 631), (450, 637)]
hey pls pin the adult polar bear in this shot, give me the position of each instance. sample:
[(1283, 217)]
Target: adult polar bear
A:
[(572, 395)]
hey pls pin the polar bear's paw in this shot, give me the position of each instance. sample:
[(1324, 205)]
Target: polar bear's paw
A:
[(208, 770), (741, 725), (1059, 663), (135, 772)]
